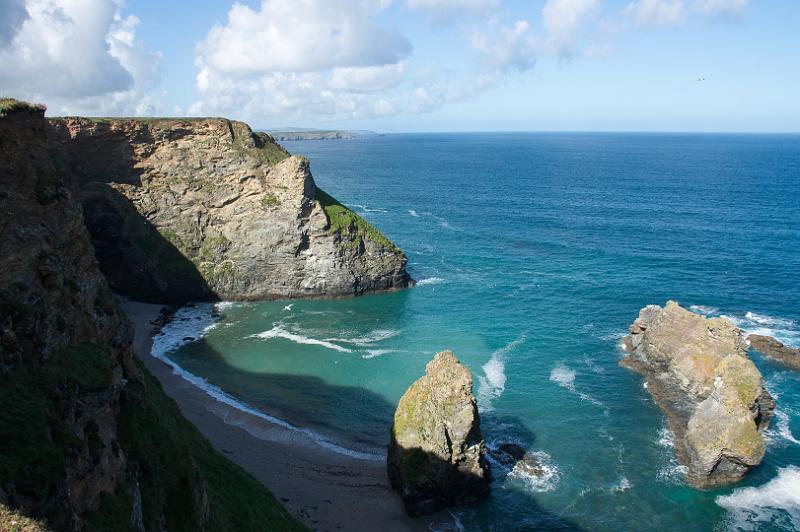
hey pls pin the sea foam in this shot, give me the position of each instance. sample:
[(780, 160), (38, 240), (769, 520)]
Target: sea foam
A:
[(188, 325), (429, 280), (775, 503), (546, 480), (492, 383), (279, 332)]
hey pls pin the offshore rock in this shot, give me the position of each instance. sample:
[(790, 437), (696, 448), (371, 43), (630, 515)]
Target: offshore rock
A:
[(437, 454), (772, 348), (698, 372), (191, 209)]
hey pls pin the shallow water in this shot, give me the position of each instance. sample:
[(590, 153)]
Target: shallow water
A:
[(534, 252)]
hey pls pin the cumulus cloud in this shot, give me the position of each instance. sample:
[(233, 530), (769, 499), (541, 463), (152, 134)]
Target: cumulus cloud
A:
[(318, 59), (300, 36), (79, 57), (13, 15)]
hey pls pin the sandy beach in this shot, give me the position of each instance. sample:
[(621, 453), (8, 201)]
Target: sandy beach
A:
[(323, 489)]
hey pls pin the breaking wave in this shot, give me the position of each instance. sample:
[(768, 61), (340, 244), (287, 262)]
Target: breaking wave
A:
[(776, 503), (429, 280), (279, 332), (492, 383)]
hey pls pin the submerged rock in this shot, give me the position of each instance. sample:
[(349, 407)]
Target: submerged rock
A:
[(436, 455), (698, 372), (772, 348)]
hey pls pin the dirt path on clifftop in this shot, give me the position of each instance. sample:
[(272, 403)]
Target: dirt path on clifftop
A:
[(324, 490)]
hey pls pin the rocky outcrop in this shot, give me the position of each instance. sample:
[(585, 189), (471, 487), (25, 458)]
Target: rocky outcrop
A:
[(88, 440), (772, 348), (436, 455), (189, 209), (698, 372)]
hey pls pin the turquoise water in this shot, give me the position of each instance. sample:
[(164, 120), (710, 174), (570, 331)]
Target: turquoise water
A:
[(535, 252)]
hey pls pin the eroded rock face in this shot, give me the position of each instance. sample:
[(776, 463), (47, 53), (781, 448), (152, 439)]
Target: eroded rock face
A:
[(436, 455), (64, 345), (698, 372), (772, 348), (191, 209)]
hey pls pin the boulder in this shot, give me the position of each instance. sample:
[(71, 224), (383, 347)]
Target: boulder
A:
[(772, 348), (698, 373), (437, 454)]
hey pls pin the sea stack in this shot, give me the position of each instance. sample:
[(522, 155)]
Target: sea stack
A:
[(698, 372), (772, 348), (436, 455)]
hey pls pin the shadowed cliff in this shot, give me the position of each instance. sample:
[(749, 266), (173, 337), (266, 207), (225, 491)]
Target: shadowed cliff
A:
[(201, 209)]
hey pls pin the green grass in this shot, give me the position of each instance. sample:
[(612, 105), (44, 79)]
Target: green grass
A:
[(10, 105), (270, 200), (344, 221), (34, 439), (174, 459)]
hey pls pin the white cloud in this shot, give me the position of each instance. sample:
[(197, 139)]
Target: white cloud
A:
[(442, 8), (724, 8), (656, 12), (300, 36), (507, 48), (79, 56), (565, 22), (13, 15), (313, 59)]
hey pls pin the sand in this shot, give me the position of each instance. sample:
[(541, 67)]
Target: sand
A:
[(323, 489)]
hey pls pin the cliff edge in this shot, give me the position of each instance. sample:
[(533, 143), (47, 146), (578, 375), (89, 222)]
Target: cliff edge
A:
[(88, 439), (196, 209)]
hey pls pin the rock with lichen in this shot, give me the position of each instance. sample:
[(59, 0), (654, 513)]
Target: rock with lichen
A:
[(436, 455), (698, 372)]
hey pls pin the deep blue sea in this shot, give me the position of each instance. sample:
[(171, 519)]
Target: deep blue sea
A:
[(534, 252)]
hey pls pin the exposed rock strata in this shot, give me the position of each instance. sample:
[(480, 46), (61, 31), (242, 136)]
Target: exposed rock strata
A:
[(772, 348), (189, 209), (698, 372), (87, 438), (436, 455)]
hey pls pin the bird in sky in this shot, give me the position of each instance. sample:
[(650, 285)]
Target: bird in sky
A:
[(701, 79)]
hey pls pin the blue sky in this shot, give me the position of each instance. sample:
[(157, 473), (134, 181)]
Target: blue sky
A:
[(414, 65)]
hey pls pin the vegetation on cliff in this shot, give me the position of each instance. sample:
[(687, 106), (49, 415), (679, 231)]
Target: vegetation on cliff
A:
[(88, 439)]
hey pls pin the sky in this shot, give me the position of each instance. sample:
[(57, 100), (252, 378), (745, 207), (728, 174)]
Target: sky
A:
[(414, 65)]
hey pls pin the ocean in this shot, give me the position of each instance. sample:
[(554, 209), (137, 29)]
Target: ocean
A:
[(534, 252)]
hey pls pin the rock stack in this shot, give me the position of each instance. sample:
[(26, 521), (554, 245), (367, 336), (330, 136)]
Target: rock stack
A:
[(436, 455), (698, 372)]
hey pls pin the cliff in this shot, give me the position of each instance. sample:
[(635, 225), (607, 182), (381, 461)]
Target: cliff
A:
[(88, 440), (190, 209), (698, 372), (436, 456)]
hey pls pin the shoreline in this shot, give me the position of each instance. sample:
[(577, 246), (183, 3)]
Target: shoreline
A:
[(323, 489)]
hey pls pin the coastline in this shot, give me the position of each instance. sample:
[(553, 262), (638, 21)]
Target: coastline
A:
[(322, 489)]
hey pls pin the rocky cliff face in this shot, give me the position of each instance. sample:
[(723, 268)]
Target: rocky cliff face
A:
[(87, 438), (698, 372), (436, 455), (194, 209)]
